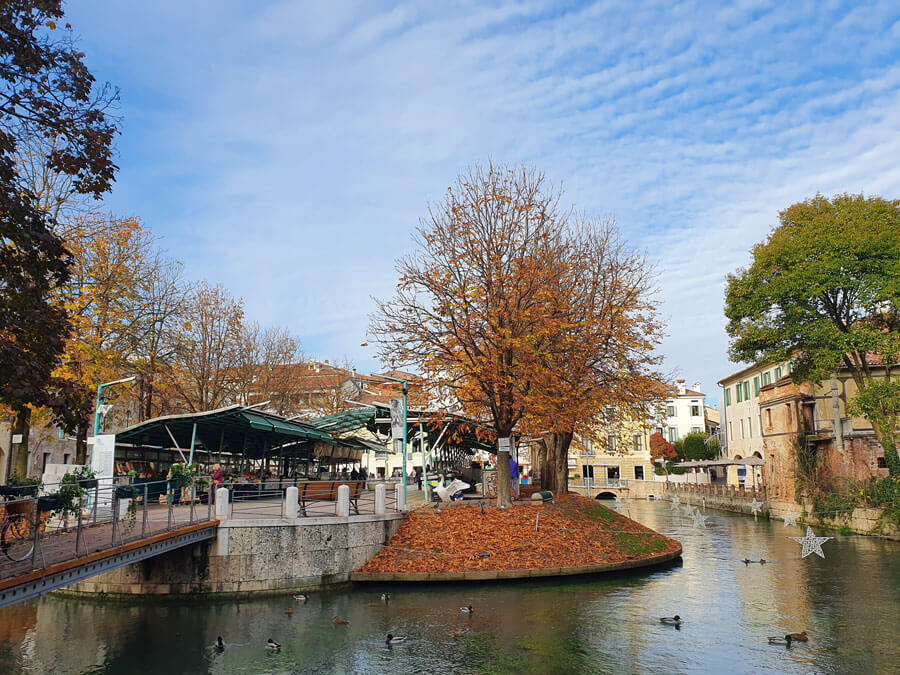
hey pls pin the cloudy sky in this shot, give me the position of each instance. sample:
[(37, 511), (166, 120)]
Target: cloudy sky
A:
[(287, 149)]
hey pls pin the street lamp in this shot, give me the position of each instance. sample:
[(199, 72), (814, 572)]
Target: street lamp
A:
[(405, 392), (99, 392)]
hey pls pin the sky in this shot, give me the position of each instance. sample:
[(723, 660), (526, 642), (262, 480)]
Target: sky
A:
[(288, 149)]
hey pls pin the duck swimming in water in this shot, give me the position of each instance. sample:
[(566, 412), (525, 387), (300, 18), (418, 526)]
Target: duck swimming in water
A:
[(671, 620), (301, 598), (220, 643), (786, 640), (272, 645), (289, 611), (467, 610), (385, 597), (799, 637), (394, 640), (337, 621)]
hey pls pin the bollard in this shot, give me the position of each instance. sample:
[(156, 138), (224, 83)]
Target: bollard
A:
[(342, 508), (222, 503), (292, 502), (380, 498), (401, 503)]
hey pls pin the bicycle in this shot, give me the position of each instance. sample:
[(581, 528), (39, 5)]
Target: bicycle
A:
[(17, 529)]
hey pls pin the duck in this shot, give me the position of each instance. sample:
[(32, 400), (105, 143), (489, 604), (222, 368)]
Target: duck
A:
[(220, 643), (459, 632), (467, 610), (337, 621), (799, 637), (272, 645), (671, 620), (301, 598), (786, 640), (385, 597), (394, 639), (289, 611)]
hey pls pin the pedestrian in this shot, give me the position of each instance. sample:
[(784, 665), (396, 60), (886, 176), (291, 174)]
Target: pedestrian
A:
[(418, 480), (353, 474), (513, 477)]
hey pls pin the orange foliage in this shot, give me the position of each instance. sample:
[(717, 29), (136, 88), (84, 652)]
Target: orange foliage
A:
[(571, 533)]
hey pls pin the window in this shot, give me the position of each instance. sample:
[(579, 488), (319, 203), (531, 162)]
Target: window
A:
[(45, 462), (766, 378), (658, 430), (673, 434), (756, 386), (670, 411), (695, 411), (61, 434), (746, 390), (637, 442), (589, 447), (749, 427), (730, 432), (639, 471), (882, 463), (737, 392), (612, 443), (696, 430), (742, 427), (66, 458), (790, 413), (768, 417), (587, 471), (727, 395), (778, 373), (790, 366)]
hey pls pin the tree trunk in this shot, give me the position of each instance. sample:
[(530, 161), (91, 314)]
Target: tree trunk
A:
[(555, 467), (503, 481), (81, 443), (21, 426)]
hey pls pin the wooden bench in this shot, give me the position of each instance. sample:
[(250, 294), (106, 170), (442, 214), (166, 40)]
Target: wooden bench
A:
[(326, 491)]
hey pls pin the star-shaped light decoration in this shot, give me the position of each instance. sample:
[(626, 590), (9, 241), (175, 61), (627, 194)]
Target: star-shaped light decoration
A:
[(699, 520), (688, 510), (811, 543), (756, 506), (790, 519), (676, 500)]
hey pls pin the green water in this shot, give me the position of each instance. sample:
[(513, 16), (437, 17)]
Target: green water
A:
[(849, 603)]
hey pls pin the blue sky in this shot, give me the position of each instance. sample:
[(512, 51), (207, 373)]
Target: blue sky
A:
[(287, 149)]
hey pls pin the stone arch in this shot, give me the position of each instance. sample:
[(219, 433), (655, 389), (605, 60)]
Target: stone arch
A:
[(606, 495)]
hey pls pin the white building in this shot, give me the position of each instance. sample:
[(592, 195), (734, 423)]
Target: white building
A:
[(684, 413)]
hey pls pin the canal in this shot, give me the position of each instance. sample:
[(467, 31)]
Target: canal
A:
[(849, 603)]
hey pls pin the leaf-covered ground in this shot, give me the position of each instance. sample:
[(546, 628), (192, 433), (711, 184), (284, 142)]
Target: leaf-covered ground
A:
[(576, 531)]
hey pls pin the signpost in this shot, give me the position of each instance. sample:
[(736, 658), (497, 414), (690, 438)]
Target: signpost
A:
[(398, 433)]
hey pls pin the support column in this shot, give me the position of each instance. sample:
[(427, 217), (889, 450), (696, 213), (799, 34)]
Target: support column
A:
[(401, 502), (342, 509), (291, 502), (380, 499), (222, 503)]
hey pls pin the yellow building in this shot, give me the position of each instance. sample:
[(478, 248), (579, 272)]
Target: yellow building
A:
[(620, 452)]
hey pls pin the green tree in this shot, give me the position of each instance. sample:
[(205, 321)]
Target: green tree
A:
[(696, 446), (45, 91), (824, 291)]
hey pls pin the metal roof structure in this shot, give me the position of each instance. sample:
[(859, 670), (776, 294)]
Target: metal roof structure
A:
[(747, 461), (234, 429)]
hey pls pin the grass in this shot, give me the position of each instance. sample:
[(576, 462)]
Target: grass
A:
[(633, 544)]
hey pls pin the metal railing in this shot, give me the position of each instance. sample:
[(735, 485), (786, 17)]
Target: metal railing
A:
[(64, 521), (268, 499)]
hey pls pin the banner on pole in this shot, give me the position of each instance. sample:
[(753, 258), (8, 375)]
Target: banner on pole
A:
[(397, 422)]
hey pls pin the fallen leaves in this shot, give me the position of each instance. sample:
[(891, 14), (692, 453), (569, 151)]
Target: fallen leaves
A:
[(572, 533)]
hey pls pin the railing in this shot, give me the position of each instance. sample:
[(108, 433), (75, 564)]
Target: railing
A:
[(717, 489), (315, 498), (68, 520), (591, 483)]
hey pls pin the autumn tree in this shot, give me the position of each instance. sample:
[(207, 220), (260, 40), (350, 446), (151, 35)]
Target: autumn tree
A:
[(596, 368), (267, 364), (470, 312), (660, 448), (47, 91), (208, 350), (823, 292)]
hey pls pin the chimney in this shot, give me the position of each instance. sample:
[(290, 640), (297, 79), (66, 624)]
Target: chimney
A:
[(696, 387), (680, 387)]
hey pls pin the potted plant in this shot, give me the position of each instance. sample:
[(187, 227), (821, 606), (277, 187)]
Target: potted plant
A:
[(20, 487), (85, 477)]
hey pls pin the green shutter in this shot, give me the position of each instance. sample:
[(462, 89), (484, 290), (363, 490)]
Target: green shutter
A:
[(727, 395), (756, 386), (746, 390), (778, 373)]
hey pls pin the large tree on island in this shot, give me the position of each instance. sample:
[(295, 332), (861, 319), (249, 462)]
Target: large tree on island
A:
[(45, 90), (597, 369), (823, 291), (472, 302)]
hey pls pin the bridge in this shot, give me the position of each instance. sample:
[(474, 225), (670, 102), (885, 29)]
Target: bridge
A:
[(609, 489), (104, 530)]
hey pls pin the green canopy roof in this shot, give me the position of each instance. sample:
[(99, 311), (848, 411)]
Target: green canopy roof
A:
[(235, 429)]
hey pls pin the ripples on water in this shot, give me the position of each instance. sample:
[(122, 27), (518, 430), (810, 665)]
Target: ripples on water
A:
[(849, 603)]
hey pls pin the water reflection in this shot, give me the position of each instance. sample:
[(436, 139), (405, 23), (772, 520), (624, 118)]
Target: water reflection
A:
[(849, 603)]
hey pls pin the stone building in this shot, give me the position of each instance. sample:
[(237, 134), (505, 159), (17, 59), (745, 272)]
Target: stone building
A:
[(808, 436)]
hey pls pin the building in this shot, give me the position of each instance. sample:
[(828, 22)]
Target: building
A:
[(622, 452), (685, 413), (808, 440)]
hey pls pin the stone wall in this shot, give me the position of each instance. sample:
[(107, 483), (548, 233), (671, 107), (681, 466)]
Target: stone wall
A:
[(260, 556)]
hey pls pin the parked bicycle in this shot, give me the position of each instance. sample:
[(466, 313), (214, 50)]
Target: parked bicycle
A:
[(17, 525)]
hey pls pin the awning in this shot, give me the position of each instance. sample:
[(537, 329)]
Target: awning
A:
[(699, 464)]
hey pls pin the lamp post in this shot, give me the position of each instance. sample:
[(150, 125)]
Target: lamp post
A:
[(99, 393)]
